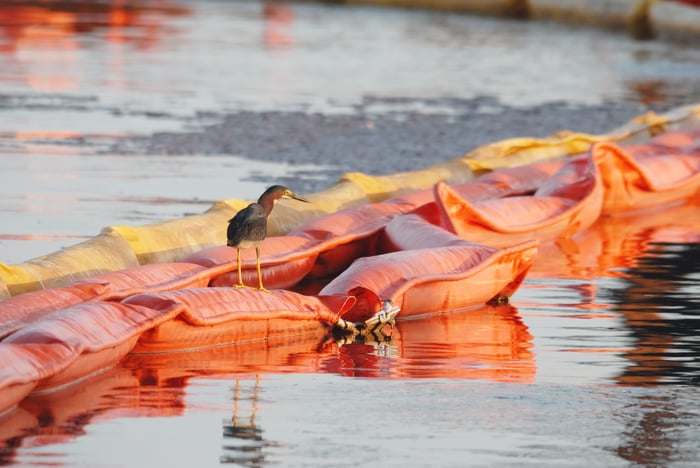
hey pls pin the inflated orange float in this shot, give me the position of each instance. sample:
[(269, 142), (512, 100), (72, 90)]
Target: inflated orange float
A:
[(565, 203), (203, 317), (663, 171)]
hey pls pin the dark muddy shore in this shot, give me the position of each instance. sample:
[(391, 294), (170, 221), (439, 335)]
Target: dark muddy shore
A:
[(375, 142)]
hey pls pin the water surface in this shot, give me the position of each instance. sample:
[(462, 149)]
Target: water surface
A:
[(594, 361)]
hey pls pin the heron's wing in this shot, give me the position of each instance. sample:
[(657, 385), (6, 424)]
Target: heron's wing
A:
[(249, 224), (238, 227)]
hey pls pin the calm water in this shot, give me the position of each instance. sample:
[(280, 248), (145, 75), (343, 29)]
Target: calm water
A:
[(594, 363)]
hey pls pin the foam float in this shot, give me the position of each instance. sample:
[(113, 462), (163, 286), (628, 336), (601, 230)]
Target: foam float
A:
[(326, 246), (25, 309), (678, 20), (319, 248), (629, 15), (638, 177), (24, 366), (610, 179), (97, 255), (204, 317), (661, 171), (98, 335), (513, 8), (566, 203), (465, 274)]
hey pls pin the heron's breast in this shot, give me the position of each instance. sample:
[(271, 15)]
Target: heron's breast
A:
[(246, 244)]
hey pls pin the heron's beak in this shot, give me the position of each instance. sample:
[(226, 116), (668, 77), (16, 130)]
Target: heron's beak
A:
[(298, 197)]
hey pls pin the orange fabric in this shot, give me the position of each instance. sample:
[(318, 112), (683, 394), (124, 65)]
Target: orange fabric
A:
[(465, 275), (214, 316), (519, 180), (319, 248), (284, 261), (89, 327), (97, 333), (326, 246), (652, 174), (160, 276), (23, 366), (24, 309), (411, 231), (567, 202)]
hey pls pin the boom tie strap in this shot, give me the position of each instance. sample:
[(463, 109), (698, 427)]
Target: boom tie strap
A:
[(371, 330)]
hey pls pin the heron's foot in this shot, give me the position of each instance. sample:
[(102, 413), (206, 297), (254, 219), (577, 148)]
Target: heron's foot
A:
[(262, 289), (241, 286)]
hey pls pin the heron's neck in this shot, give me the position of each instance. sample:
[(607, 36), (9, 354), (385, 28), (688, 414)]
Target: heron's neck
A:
[(267, 205)]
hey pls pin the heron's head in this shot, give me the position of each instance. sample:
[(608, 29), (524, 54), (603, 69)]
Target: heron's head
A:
[(279, 191)]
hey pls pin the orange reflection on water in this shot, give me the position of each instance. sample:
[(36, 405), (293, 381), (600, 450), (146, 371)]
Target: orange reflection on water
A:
[(649, 92), (45, 141), (142, 385), (46, 42), (626, 247), (278, 21), (614, 243), (486, 343), (490, 343), (46, 135), (44, 38), (61, 416)]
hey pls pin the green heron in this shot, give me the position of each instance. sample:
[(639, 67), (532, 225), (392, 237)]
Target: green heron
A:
[(249, 227)]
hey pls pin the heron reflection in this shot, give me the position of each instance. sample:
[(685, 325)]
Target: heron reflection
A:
[(244, 443)]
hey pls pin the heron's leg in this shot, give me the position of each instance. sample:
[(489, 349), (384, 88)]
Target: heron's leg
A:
[(238, 261), (260, 284)]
